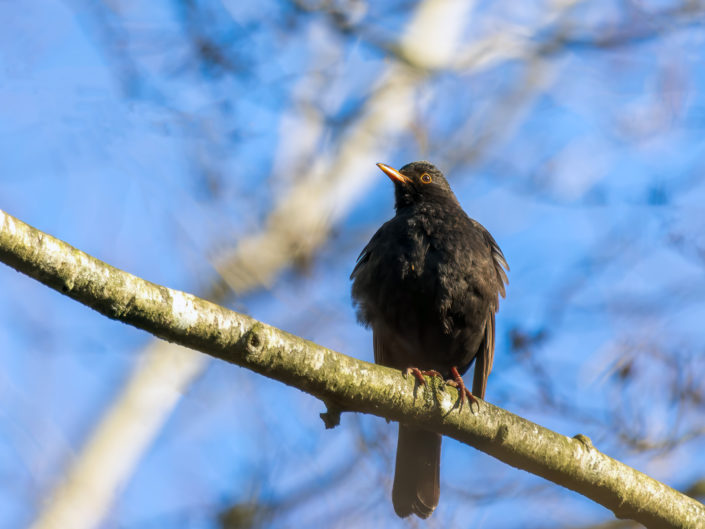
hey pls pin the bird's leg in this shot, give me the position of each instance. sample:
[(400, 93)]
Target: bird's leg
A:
[(420, 374), (457, 382)]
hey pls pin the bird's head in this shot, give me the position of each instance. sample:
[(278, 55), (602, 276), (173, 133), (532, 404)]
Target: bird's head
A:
[(418, 183)]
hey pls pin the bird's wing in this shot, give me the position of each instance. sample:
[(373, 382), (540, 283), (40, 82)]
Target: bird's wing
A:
[(361, 260), (500, 263), (366, 252), (485, 355), (483, 359), (379, 348)]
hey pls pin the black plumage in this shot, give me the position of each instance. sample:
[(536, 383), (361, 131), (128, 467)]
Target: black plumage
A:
[(428, 284)]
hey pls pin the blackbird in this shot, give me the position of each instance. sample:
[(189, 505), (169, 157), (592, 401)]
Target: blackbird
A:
[(428, 285)]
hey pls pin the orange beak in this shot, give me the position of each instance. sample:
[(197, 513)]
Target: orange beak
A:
[(393, 174)]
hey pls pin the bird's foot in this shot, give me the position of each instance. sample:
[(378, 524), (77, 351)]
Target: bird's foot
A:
[(457, 382), (420, 374)]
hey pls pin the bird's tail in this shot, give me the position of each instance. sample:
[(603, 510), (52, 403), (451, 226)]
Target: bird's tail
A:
[(417, 475)]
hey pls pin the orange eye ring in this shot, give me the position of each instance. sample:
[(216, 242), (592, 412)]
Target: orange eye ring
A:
[(426, 178)]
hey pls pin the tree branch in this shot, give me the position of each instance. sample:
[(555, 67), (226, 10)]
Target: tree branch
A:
[(343, 382)]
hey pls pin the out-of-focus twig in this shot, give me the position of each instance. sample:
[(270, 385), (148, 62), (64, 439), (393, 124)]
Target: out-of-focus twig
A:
[(301, 219)]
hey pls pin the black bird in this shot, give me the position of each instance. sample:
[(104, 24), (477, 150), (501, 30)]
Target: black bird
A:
[(428, 285)]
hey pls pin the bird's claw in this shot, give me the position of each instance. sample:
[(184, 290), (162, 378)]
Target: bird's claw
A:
[(420, 374), (457, 382)]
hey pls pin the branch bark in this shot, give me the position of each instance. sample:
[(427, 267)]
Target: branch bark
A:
[(342, 382)]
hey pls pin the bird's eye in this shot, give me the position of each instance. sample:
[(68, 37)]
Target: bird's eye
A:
[(426, 178)]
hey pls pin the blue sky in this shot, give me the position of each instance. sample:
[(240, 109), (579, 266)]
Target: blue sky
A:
[(116, 139)]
